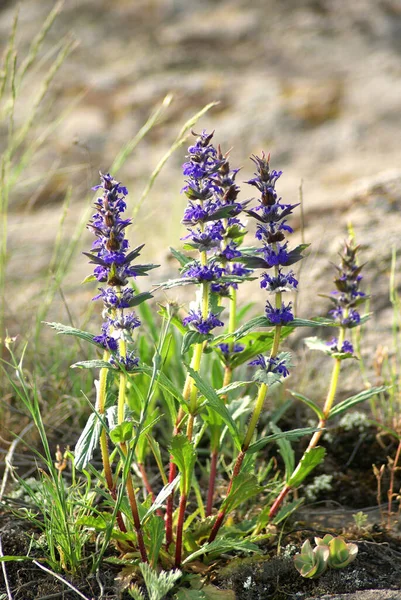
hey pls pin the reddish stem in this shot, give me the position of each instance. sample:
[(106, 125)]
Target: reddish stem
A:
[(146, 481), (220, 517), (180, 527), (168, 519), (278, 501), (391, 488), (119, 517), (217, 524), (148, 487), (212, 481)]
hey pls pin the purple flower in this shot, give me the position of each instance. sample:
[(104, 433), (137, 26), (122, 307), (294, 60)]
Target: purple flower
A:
[(129, 362), (202, 325), (279, 316), (353, 317), (210, 272), (271, 365), (225, 349), (127, 322), (105, 340), (347, 295), (281, 283), (276, 255), (113, 299), (230, 252), (346, 347)]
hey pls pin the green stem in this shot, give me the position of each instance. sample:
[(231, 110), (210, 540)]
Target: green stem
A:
[(101, 409), (251, 427), (331, 395), (130, 488), (122, 385), (196, 359)]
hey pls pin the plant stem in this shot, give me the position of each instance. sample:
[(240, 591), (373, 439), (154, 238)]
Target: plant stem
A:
[(251, 428), (134, 509), (212, 480), (180, 527), (168, 519), (104, 448), (122, 384), (331, 394), (124, 449), (146, 481), (101, 409), (391, 486), (232, 323), (193, 404), (197, 357)]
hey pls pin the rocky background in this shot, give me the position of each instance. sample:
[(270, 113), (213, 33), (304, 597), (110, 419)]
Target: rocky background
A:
[(317, 83)]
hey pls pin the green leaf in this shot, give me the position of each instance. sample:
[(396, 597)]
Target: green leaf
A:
[(155, 531), (231, 387), (139, 298), (161, 498), (286, 510), (296, 254), (98, 523), (255, 343), (294, 434), (122, 433), (163, 381), (353, 400), (252, 324), (134, 253), (93, 364), (194, 337), (182, 259), (269, 378), (308, 462), (309, 403), (88, 279), (217, 404), (158, 583), (286, 451), (67, 330), (87, 442), (171, 283), (228, 210), (213, 593), (189, 594), (235, 232), (341, 553), (314, 343), (184, 456), (222, 544), (244, 486)]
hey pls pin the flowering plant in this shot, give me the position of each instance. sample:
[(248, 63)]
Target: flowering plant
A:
[(199, 398)]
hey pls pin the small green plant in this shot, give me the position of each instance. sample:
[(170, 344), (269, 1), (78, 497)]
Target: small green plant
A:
[(311, 562), (341, 553), (360, 520), (330, 551)]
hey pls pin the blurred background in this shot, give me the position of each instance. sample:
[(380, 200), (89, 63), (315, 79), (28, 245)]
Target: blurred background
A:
[(317, 83)]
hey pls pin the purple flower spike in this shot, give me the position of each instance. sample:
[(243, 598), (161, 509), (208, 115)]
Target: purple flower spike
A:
[(270, 365), (200, 324), (279, 316)]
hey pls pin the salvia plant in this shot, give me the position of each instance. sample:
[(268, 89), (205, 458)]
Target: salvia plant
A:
[(173, 421)]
